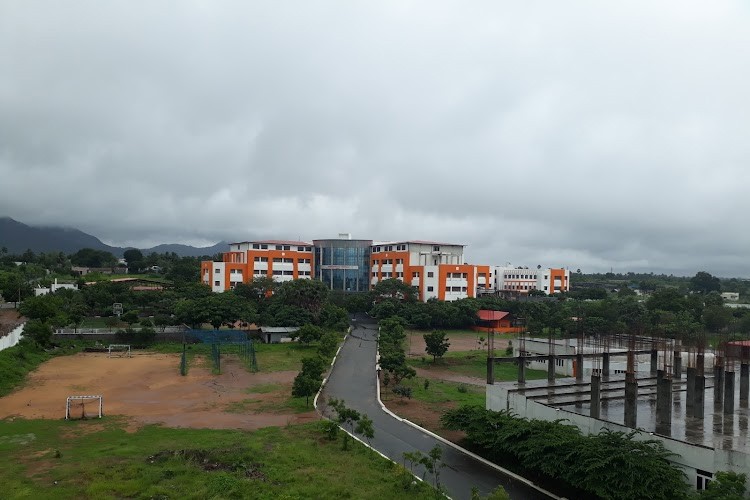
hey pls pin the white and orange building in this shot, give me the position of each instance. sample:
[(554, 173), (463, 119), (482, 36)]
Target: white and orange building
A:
[(281, 260), (437, 270)]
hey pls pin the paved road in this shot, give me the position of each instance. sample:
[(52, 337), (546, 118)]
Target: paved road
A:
[(353, 380)]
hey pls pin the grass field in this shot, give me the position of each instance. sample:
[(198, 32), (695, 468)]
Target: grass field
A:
[(440, 392), (474, 364), (97, 459)]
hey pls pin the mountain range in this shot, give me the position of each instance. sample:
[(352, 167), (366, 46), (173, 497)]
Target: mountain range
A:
[(17, 237)]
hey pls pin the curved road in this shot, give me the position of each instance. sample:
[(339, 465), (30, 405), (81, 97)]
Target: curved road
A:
[(353, 379)]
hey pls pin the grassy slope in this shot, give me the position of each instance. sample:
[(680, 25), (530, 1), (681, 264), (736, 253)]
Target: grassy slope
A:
[(97, 459)]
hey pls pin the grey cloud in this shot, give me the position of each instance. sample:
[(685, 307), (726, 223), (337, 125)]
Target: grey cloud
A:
[(582, 134)]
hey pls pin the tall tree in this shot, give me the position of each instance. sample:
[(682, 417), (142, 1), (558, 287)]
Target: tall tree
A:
[(436, 344), (704, 282)]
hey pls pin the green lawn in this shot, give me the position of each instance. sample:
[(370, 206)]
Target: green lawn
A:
[(440, 392), (474, 364), (98, 459)]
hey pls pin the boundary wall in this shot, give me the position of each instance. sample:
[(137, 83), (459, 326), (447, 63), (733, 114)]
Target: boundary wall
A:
[(11, 338), (689, 457)]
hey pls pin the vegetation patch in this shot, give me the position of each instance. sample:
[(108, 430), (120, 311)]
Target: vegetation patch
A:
[(295, 461)]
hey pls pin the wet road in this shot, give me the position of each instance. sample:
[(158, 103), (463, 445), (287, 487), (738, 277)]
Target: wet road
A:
[(353, 379)]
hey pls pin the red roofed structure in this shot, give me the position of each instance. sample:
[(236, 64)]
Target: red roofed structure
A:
[(496, 321)]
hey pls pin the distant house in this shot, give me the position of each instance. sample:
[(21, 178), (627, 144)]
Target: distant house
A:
[(53, 288), (83, 271), (496, 321), (731, 296), (277, 334)]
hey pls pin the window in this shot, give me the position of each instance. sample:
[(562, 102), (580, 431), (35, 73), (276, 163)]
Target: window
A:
[(277, 273), (261, 259), (217, 283), (287, 247), (545, 288), (389, 248), (415, 274), (430, 274), (260, 272), (288, 261), (303, 261), (278, 247), (702, 478), (256, 246), (288, 273), (399, 261), (374, 274), (399, 275), (263, 247), (429, 288), (436, 249), (217, 271), (456, 289), (463, 288), (277, 259), (465, 275)]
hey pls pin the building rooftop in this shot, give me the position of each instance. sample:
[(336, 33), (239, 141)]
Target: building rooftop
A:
[(275, 242), (421, 242)]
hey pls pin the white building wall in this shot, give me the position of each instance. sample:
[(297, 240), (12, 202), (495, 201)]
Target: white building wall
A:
[(430, 282), (217, 278)]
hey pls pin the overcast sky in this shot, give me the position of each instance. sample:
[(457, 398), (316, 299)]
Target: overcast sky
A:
[(589, 135)]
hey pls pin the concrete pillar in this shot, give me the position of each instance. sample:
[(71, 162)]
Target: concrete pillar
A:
[(699, 405), (690, 390), (551, 364), (677, 365), (729, 393), (744, 383), (605, 364), (664, 402), (700, 363), (631, 400), (596, 395), (490, 371), (654, 361), (521, 370), (718, 385), (579, 366)]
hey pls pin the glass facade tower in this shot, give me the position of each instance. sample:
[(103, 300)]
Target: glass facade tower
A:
[(343, 264)]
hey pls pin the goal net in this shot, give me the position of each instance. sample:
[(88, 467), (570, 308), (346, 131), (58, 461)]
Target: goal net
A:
[(118, 351), (83, 407)]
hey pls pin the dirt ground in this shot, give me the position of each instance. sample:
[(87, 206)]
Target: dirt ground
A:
[(458, 342), (148, 389), (9, 319)]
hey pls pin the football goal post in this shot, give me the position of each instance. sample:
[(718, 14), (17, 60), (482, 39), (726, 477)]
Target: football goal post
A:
[(118, 351), (83, 407)]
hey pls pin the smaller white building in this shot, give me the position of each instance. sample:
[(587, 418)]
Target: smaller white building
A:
[(53, 288)]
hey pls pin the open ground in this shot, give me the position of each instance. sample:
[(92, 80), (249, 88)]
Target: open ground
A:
[(148, 389)]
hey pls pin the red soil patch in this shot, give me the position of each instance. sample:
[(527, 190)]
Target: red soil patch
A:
[(148, 389), (458, 342), (425, 416)]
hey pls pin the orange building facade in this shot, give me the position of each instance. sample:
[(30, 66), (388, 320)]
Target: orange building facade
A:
[(436, 270), (280, 260)]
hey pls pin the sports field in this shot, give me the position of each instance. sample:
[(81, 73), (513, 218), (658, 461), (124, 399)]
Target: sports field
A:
[(148, 389)]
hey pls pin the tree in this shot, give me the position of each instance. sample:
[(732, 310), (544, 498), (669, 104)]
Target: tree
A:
[(314, 367), (725, 486), (393, 288), (365, 428), (703, 282), (306, 294), (436, 344), (305, 386), (38, 331), (309, 333), (130, 317), (329, 342), (43, 307)]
